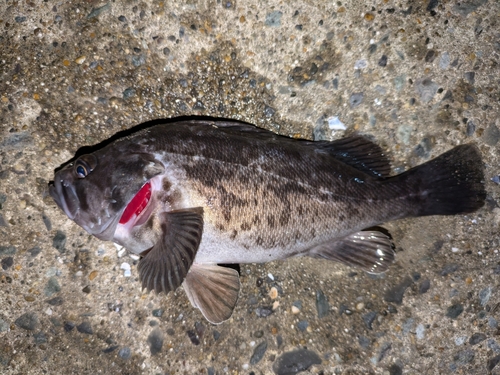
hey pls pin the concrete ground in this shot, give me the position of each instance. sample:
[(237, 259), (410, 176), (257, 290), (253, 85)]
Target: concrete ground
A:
[(418, 76)]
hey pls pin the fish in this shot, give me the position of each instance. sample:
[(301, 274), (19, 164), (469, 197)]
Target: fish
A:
[(190, 197)]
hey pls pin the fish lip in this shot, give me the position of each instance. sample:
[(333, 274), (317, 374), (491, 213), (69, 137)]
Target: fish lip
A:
[(57, 193)]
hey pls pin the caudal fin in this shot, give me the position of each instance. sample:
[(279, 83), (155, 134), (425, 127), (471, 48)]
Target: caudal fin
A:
[(452, 183)]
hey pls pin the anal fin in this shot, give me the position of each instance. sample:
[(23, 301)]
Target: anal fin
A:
[(369, 250), (213, 289)]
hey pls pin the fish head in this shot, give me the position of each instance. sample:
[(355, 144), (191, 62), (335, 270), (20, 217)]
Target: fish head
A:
[(98, 190)]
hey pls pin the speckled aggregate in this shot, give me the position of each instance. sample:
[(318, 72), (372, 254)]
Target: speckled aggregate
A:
[(420, 77)]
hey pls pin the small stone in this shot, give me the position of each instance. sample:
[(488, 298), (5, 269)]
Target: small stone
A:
[(126, 269), (28, 321), (279, 341), (86, 289), (20, 19), (382, 61), (47, 222), (296, 361), (273, 293), (484, 295), (269, 111), (40, 338), (360, 64), (155, 341), (68, 326), (399, 82), (92, 275), (7, 262), (59, 241), (124, 353), (424, 148), (470, 77), (407, 325), (492, 362), (384, 349), (427, 89), (430, 56), (471, 128), (364, 342), (395, 369), (264, 311), (138, 60), (4, 326), (493, 345), (122, 19), (476, 338), (273, 19), (52, 287), (7, 250), (491, 135), (420, 332), (258, 353), (258, 334), (157, 313), (424, 286), (444, 60), (85, 327), (128, 93), (35, 251), (97, 11), (302, 325), (449, 269), (463, 357), (80, 60), (56, 301), (464, 8), (199, 106), (454, 311), (356, 99), (3, 223), (195, 340), (396, 293), (369, 318), (343, 309), (216, 335), (322, 305), (110, 349)]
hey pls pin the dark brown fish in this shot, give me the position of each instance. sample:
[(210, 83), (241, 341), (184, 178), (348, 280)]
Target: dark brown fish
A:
[(190, 195)]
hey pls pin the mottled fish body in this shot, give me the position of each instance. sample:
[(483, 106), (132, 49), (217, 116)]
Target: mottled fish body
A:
[(189, 195)]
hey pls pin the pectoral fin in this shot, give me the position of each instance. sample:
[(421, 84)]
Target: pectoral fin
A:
[(213, 289), (166, 265), (371, 251)]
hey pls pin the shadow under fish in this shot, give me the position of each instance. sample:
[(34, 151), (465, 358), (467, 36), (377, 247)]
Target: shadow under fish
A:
[(190, 195)]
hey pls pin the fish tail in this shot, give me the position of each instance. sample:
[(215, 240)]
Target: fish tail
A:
[(451, 184)]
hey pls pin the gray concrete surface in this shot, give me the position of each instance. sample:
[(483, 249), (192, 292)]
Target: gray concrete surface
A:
[(418, 76)]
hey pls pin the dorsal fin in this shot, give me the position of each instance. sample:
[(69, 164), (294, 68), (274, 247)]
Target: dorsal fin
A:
[(355, 150), (358, 152)]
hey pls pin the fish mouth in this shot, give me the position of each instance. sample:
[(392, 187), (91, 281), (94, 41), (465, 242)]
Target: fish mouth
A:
[(139, 207), (65, 197)]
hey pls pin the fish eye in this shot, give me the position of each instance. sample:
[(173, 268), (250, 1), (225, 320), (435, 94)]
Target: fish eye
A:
[(81, 169), (84, 165)]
